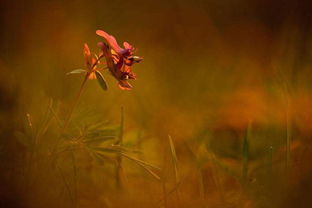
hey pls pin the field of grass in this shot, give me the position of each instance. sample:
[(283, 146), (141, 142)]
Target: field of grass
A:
[(219, 115)]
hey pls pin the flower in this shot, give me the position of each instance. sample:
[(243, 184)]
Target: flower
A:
[(90, 62), (119, 60)]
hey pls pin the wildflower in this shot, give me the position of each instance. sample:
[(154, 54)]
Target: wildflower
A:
[(119, 60), (92, 71)]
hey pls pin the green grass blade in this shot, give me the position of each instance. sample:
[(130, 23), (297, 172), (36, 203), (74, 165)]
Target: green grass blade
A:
[(174, 158), (140, 161), (246, 153)]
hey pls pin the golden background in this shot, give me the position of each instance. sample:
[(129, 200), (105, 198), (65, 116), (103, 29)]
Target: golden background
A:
[(213, 72)]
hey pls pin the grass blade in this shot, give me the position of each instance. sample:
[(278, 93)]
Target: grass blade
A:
[(246, 153), (174, 158), (140, 161), (144, 165)]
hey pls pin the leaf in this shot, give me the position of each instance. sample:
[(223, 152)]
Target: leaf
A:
[(96, 56), (124, 149), (102, 133), (101, 159), (173, 152), (101, 80), (99, 140), (95, 125), (146, 166), (121, 129), (174, 158), (76, 71), (151, 172), (140, 162), (104, 149), (246, 152)]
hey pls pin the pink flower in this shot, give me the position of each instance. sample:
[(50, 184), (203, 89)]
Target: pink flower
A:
[(119, 60)]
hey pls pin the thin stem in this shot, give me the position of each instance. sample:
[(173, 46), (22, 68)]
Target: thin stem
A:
[(92, 69), (246, 153), (165, 199), (66, 184), (76, 101), (75, 178), (119, 158), (288, 135)]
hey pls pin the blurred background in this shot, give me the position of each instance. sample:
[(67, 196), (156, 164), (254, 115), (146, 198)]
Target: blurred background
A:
[(230, 81)]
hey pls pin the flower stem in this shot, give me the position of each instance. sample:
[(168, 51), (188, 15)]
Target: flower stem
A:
[(80, 92), (73, 106), (76, 101)]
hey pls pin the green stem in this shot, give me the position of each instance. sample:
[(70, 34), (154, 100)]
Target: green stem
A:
[(119, 158), (164, 190), (75, 178), (246, 153), (75, 102), (92, 69), (288, 135)]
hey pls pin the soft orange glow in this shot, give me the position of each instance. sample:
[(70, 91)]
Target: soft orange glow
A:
[(217, 115)]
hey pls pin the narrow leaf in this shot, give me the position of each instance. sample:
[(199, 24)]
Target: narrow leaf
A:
[(140, 162), (104, 149), (101, 159), (100, 139), (174, 158), (96, 56), (102, 133), (150, 172), (76, 71), (246, 152), (101, 80), (120, 135), (144, 165)]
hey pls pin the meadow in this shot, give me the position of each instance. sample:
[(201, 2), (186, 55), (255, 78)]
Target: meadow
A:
[(210, 109)]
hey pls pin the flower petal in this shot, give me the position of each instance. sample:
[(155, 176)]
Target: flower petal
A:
[(126, 68), (128, 46), (92, 76), (124, 85), (111, 41), (87, 54), (108, 55)]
